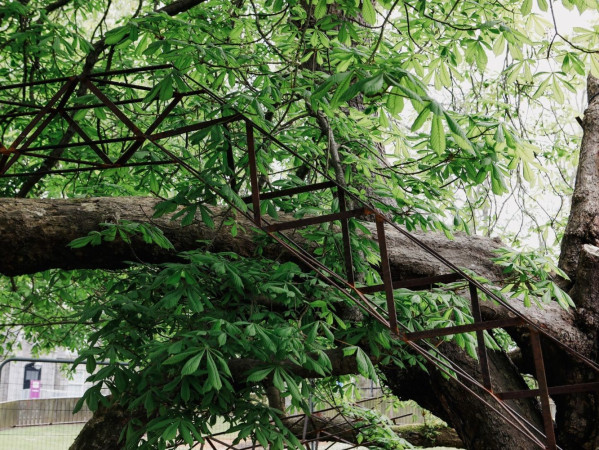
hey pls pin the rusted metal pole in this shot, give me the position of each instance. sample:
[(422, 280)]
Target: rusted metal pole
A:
[(480, 339), (386, 269), (537, 354), (347, 253)]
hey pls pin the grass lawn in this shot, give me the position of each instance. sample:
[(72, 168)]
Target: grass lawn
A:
[(53, 437)]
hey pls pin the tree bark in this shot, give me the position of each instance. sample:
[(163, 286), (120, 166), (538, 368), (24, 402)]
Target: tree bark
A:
[(103, 430), (34, 234), (577, 416), (477, 425)]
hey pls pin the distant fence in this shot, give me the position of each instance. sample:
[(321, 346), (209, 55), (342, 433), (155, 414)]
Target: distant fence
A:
[(37, 402), (50, 411)]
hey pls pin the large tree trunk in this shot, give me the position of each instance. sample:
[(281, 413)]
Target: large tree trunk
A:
[(578, 415)]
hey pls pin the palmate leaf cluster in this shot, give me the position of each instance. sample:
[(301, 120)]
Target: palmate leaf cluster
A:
[(203, 340), (428, 105)]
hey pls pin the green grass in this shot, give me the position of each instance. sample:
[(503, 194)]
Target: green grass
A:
[(52, 437)]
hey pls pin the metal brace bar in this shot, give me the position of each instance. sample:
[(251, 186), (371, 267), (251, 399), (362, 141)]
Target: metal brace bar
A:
[(417, 283), (447, 331), (318, 219), (554, 390), (85, 137), (386, 269), (480, 339), (112, 107), (137, 144), (196, 127), (292, 191), (347, 253), (65, 92), (537, 353)]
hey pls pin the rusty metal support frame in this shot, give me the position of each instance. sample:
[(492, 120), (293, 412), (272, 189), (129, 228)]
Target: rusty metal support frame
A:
[(345, 285), (541, 377), (480, 338)]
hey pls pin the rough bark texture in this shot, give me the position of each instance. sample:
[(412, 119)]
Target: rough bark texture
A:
[(583, 224), (429, 435), (577, 416), (477, 425), (34, 234), (103, 430)]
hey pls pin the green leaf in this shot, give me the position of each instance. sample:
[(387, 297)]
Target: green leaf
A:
[(437, 135), (192, 365), (321, 9), (213, 375), (395, 102), (115, 35), (421, 119), (259, 375), (526, 7), (206, 217), (368, 12)]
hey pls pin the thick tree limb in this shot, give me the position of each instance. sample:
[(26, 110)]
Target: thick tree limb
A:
[(34, 234)]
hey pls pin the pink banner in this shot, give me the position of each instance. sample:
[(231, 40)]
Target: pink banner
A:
[(35, 389)]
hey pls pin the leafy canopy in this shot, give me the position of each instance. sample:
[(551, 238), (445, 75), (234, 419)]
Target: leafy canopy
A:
[(431, 110)]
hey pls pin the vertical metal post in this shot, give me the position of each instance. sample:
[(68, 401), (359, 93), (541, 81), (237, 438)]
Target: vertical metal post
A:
[(537, 353), (386, 268), (253, 172), (349, 264), (480, 339)]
